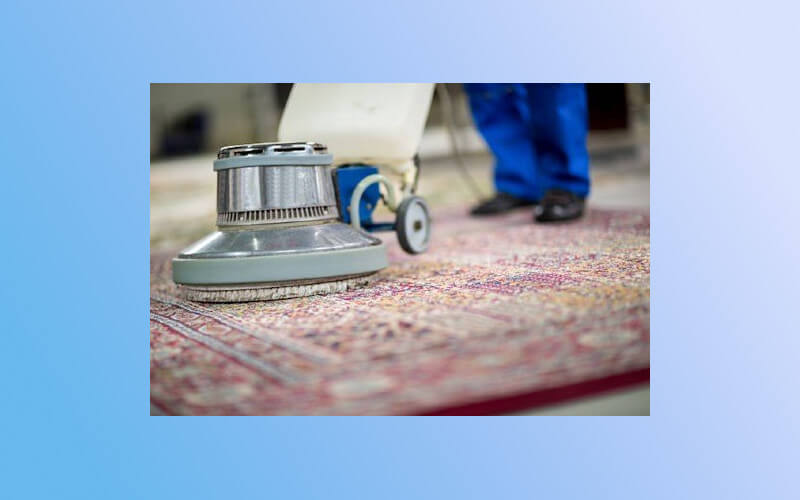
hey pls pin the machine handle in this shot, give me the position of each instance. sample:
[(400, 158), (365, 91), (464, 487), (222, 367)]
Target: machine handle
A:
[(355, 216)]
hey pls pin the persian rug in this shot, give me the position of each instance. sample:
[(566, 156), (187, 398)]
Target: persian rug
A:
[(500, 314)]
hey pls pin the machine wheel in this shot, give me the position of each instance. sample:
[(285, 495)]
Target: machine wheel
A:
[(413, 225)]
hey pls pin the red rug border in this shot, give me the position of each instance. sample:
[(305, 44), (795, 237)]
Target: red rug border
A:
[(529, 400)]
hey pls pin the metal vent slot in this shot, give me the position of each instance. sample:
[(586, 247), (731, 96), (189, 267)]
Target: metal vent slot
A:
[(286, 149), (249, 152)]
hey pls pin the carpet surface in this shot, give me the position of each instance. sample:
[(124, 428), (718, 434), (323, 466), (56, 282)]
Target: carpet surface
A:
[(499, 311)]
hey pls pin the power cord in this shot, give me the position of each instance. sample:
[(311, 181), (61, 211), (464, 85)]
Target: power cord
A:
[(450, 123)]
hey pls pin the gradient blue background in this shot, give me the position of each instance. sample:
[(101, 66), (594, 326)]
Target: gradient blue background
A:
[(75, 120)]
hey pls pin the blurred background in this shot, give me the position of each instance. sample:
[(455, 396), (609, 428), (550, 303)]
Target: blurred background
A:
[(189, 122), (188, 119)]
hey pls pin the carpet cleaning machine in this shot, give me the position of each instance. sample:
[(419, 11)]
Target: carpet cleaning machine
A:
[(294, 217)]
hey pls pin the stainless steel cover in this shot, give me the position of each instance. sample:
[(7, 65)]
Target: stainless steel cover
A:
[(271, 183)]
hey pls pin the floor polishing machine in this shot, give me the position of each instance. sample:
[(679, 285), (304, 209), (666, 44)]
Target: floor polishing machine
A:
[(294, 217)]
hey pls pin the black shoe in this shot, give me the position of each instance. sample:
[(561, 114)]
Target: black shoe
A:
[(501, 203), (558, 205)]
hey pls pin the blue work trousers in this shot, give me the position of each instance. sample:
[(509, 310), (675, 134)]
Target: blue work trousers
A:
[(537, 133)]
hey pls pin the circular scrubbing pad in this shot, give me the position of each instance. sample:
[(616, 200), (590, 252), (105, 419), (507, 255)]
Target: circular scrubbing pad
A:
[(269, 291)]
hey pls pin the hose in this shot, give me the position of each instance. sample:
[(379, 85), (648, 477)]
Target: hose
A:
[(355, 215)]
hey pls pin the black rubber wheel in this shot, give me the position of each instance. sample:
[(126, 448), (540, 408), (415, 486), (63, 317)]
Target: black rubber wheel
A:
[(413, 225)]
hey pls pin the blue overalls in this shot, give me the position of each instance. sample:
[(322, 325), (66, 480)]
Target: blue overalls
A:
[(537, 133)]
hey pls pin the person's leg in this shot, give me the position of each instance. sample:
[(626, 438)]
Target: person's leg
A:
[(559, 120), (498, 116), (559, 124)]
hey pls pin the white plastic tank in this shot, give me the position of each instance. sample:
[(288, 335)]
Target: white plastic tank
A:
[(379, 124)]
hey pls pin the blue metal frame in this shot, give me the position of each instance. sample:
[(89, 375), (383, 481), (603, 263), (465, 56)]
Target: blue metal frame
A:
[(346, 178)]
